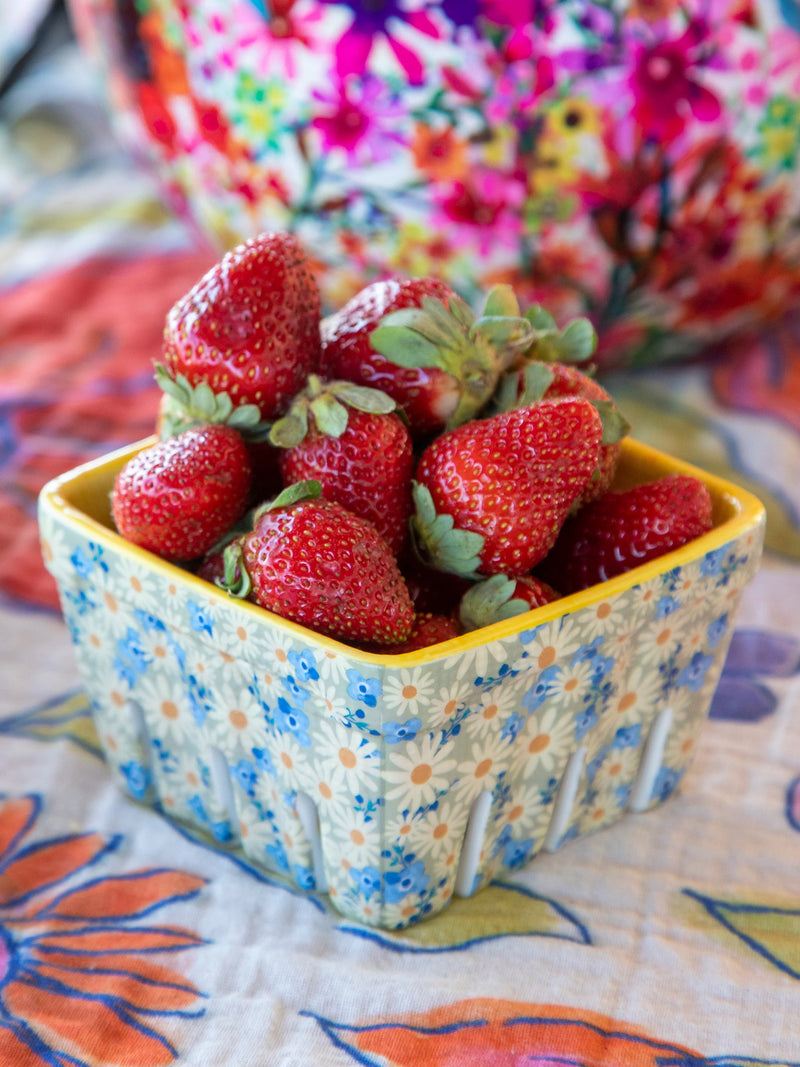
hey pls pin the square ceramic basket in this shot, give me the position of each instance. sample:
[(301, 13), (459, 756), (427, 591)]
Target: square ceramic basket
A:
[(393, 782)]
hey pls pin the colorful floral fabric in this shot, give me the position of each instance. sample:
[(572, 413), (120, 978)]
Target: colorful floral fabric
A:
[(634, 161)]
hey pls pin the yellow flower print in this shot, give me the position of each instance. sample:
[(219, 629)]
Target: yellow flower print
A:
[(573, 117)]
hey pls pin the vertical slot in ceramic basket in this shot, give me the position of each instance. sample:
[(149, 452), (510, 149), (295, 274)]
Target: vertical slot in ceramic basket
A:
[(395, 782)]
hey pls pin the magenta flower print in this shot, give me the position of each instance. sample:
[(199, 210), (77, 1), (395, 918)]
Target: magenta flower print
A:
[(487, 208), (358, 118), (665, 85), (376, 19)]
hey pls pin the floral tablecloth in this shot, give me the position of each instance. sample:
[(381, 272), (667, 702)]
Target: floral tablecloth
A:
[(671, 938)]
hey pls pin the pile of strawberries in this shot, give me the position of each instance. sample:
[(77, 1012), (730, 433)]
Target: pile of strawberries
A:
[(395, 474)]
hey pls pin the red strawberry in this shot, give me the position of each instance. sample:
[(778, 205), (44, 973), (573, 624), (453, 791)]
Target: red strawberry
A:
[(416, 340), (624, 529), (178, 497), (501, 597), (535, 381), (493, 494), (428, 629), (241, 342), (316, 563), (348, 438)]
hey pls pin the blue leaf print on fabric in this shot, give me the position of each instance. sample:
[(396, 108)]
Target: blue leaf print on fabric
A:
[(752, 655), (364, 690), (395, 732)]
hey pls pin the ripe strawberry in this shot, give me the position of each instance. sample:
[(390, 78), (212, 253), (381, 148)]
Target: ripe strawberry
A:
[(316, 563), (534, 381), (492, 495), (348, 438), (178, 497), (240, 343), (624, 529), (428, 629), (416, 340), (501, 597)]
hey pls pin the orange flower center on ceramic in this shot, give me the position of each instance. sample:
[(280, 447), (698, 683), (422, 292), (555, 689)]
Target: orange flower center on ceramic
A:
[(169, 710), (237, 719), (325, 790), (421, 773), (547, 657), (356, 837), (347, 758), (539, 743), (440, 831), (483, 768), (409, 692), (627, 701)]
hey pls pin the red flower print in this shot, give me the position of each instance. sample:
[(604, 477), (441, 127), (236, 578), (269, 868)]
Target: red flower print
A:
[(665, 86), (78, 984)]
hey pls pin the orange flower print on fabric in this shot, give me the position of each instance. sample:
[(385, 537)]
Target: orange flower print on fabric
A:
[(80, 981), (502, 1033)]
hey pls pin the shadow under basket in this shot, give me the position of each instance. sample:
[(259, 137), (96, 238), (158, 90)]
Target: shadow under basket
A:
[(392, 782)]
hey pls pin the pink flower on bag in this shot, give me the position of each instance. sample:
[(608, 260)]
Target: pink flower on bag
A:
[(665, 86)]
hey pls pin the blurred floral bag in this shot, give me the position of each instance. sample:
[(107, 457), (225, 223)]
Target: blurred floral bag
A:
[(635, 161)]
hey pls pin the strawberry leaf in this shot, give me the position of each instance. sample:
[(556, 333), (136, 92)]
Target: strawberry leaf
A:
[(235, 580), (446, 547), (615, 425), (329, 415), (189, 406), (293, 494), (501, 302), (577, 342), (290, 430), (362, 397), (403, 345), (541, 319), (461, 311), (489, 601)]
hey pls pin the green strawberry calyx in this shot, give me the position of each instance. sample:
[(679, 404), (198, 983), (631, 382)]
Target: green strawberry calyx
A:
[(491, 600), (328, 403), (187, 405), (527, 385), (475, 350), (575, 343), (439, 541)]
